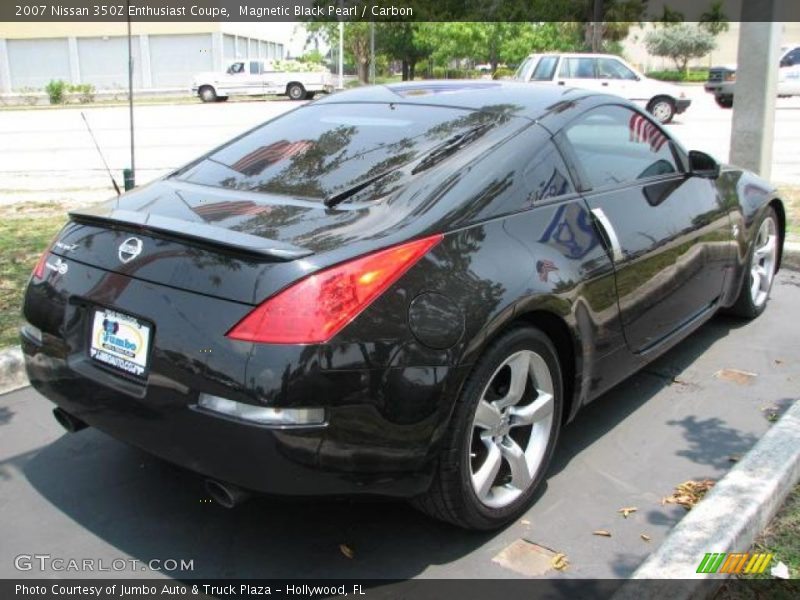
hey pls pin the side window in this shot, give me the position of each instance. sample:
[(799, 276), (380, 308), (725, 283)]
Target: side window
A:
[(792, 59), (577, 68), (614, 145), (609, 68), (255, 67), (545, 68), (546, 176)]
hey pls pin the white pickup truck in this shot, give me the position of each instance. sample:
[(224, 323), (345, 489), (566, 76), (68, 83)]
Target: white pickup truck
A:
[(255, 77)]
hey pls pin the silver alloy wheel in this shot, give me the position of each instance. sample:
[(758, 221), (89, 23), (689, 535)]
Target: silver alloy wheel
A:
[(662, 111), (762, 265), (511, 428)]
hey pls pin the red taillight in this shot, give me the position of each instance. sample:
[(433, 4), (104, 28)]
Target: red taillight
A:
[(38, 270), (316, 308)]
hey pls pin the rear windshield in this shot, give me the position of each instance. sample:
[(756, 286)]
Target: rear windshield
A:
[(323, 149)]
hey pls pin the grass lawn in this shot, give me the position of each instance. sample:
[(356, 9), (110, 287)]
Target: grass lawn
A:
[(791, 198), (25, 231), (782, 538)]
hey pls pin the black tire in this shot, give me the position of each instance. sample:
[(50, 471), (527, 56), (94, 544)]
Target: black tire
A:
[(207, 93), (310, 95), (662, 108), (295, 91), (452, 497), (724, 101), (222, 98), (746, 306)]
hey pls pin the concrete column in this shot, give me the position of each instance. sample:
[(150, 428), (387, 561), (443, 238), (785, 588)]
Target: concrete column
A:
[(5, 68), (756, 88), (217, 50), (74, 61), (144, 61)]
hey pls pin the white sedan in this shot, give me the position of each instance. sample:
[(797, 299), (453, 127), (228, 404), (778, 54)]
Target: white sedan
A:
[(606, 73)]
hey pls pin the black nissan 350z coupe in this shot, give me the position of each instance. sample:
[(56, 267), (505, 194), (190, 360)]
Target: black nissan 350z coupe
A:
[(401, 290)]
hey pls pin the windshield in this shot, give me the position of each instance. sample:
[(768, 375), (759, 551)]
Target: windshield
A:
[(320, 150), (523, 68)]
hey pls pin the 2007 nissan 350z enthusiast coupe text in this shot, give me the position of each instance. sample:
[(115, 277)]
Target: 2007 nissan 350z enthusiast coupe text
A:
[(401, 290)]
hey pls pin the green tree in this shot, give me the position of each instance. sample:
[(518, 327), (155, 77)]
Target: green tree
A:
[(680, 43), (407, 42), (714, 19), (356, 41)]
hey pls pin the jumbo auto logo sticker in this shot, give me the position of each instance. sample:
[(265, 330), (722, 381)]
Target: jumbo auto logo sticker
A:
[(120, 337)]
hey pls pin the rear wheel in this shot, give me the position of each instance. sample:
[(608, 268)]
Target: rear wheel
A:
[(757, 283), (724, 101), (662, 108), (295, 91), (502, 434), (207, 93)]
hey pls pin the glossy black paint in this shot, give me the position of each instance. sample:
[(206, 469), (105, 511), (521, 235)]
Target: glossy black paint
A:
[(520, 244)]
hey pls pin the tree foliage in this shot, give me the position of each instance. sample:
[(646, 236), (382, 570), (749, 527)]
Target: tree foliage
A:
[(714, 20), (680, 43)]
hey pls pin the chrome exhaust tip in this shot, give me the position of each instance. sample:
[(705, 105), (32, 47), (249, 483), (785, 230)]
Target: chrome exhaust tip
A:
[(67, 421), (226, 494)]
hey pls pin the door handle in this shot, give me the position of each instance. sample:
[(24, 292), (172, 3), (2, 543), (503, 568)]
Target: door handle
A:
[(610, 234), (605, 84), (560, 83)]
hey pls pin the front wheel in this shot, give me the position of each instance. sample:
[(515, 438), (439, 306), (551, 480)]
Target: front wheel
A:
[(502, 434), (207, 94), (757, 283), (295, 91), (662, 108)]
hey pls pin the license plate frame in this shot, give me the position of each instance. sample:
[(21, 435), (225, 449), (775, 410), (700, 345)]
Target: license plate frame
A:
[(120, 342)]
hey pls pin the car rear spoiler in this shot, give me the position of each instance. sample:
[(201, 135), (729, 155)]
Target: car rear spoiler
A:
[(201, 233)]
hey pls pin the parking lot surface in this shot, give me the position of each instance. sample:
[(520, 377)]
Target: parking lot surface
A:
[(85, 495), (49, 153)]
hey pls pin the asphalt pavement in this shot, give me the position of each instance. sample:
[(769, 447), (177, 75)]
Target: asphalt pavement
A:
[(684, 417), (50, 155)]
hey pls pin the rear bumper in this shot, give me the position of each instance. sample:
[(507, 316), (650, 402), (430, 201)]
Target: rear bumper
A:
[(383, 421), (681, 104)]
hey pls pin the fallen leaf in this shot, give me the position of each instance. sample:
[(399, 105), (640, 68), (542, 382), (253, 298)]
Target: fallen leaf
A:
[(346, 550), (627, 510), (525, 522), (689, 493), (645, 537), (735, 457), (560, 561), (778, 361), (602, 532)]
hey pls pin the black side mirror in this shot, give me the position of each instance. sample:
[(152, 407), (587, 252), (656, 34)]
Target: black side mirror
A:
[(703, 165)]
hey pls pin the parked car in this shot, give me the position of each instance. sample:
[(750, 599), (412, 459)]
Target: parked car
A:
[(722, 80), (605, 73), (403, 290), (256, 77)]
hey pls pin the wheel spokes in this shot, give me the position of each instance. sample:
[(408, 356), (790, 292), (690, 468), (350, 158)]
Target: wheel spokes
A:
[(483, 478), (487, 416), (515, 457), (537, 410), (520, 366)]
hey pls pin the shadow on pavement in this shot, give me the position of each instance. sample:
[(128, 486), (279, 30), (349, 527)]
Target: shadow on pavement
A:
[(151, 510)]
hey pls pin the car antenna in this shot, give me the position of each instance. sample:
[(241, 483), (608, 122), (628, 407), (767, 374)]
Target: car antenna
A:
[(100, 152)]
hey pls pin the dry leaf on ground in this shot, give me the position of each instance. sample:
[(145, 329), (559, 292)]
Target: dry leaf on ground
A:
[(645, 537), (601, 532), (689, 493), (560, 561), (627, 510)]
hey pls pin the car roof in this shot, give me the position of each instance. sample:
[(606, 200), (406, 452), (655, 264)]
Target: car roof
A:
[(530, 100)]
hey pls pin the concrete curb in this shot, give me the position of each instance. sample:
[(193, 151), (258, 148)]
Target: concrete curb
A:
[(791, 256), (735, 511), (12, 370)]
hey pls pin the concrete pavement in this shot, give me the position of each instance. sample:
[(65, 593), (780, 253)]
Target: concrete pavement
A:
[(86, 495)]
